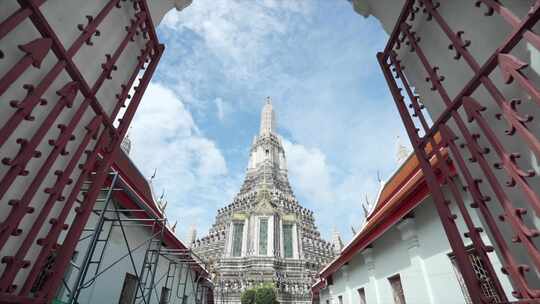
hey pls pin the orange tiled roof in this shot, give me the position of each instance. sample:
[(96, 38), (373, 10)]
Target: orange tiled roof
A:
[(401, 193)]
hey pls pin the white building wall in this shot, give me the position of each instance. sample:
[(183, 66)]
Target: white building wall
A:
[(108, 286), (425, 269)]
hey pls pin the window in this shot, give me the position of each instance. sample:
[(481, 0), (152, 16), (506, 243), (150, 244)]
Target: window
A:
[(127, 295), (263, 237), (362, 295), (287, 240), (340, 299), (165, 295), (487, 286), (238, 231), (397, 289)]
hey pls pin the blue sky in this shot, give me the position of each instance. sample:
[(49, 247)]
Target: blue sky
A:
[(315, 59)]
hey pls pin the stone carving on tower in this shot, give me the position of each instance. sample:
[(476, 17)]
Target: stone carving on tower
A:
[(265, 236)]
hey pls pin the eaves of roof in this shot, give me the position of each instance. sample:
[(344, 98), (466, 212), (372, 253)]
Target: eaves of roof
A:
[(137, 195), (400, 199)]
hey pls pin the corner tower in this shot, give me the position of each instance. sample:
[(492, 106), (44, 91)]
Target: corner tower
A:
[(264, 236)]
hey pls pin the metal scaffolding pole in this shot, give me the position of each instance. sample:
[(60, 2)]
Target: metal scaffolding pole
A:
[(116, 220), (83, 269), (109, 217)]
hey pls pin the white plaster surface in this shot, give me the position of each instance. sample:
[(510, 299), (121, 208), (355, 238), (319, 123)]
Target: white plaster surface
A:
[(421, 260), (63, 17)]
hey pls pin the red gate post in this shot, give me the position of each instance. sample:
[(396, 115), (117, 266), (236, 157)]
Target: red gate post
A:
[(449, 123), (82, 150)]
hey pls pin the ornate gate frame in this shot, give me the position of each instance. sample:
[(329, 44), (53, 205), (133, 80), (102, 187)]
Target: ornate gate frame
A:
[(453, 128), (92, 156)]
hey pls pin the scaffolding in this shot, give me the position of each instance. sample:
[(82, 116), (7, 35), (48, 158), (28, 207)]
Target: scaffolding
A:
[(110, 216)]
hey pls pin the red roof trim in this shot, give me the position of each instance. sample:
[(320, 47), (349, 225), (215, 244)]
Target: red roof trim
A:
[(386, 216), (132, 177), (360, 243), (380, 205), (138, 183)]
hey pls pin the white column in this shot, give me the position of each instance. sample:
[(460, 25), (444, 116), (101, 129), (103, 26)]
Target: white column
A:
[(281, 253), (367, 254), (416, 284), (245, 237), (255, 234), (348, 291), (270, 240), (228, 251), (296, 254)]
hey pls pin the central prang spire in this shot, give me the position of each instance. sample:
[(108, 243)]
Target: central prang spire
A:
[(268, 119), (264, 236), (267, 164)]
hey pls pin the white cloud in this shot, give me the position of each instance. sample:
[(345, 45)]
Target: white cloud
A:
[(223, 109), (224, 56), (325, 189), (189, 165), (237, 31), (309, 172)]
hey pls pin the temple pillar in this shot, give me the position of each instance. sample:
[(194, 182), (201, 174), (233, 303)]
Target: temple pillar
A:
[(245, 237), (369, 260), (416, 278), (348, 290)]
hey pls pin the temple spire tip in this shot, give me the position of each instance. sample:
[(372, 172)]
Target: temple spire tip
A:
[(267, 118)]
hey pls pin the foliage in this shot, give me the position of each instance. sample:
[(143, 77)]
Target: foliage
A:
[(248, 297), (264, 294)]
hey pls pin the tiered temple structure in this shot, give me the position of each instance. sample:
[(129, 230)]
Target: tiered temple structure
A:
[(265, 236)]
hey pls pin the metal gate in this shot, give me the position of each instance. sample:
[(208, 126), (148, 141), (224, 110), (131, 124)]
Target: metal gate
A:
[(84, 146), (502, 193)]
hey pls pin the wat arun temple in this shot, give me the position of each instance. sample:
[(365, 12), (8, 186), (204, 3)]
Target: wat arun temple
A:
[(265, 236)]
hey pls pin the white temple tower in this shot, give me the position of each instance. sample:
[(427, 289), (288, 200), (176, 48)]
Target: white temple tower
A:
[(265, 235)]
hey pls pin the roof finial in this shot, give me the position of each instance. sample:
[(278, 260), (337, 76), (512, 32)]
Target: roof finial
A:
[(402, 152), (337, 241), (365, 208)]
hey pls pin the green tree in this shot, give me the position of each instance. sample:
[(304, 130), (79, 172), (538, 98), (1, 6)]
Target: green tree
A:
[(248, 297), (264, 294)]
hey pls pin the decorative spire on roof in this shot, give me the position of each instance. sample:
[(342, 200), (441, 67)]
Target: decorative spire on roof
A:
[(336, 241), (192, 235), (366, 207), (402, 152), (162, 204)]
